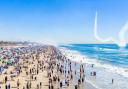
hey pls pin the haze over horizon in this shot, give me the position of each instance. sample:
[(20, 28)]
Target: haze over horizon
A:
[(61, 21)]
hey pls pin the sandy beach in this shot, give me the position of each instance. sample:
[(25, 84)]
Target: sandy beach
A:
[(63, 44), (43, 68)]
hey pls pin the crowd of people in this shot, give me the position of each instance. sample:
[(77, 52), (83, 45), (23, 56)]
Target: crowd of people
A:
[(29, 61), (34, 66)]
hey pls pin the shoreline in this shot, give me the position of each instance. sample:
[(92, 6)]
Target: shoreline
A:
[(87, 83), (105, 78)]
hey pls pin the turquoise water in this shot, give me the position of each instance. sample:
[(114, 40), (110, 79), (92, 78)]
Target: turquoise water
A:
[(106, 53), (111, 62)]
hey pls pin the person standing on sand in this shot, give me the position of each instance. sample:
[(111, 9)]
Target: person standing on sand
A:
[(6, 79), (76, 87), (92, 65), (82, 79), (9, 87), (58, 79), (27, 85), (18, 84), (23, 87), (52, 86), (61, 84), (75, 72), (112, 81), (6, 87), (40, 85)]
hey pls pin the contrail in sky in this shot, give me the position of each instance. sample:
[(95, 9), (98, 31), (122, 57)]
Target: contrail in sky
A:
[(121, 42), (122, 33)]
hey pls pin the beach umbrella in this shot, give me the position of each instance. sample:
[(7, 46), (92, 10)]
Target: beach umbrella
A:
[(12, 60), (0, 59), (9, 62)]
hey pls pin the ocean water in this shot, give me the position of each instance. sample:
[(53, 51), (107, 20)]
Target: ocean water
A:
[(110, 62)]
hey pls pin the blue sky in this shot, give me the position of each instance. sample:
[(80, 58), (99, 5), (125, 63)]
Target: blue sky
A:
[(61, 21)]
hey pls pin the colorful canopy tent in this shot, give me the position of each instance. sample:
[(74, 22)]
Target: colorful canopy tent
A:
[(9, 62)]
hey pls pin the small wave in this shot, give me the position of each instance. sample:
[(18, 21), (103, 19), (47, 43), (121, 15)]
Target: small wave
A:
[(78, 57)]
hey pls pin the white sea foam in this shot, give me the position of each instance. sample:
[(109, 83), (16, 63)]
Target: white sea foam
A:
[(78, 57)]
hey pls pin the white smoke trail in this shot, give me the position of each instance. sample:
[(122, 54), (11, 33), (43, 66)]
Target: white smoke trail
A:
[(96, 33), (120, 43), (122, 34)]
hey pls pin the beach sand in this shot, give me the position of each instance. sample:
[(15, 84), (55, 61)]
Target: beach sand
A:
[(49, 56)]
